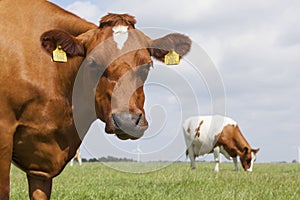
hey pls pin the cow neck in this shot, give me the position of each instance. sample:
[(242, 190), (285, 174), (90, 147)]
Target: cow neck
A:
[(67, 74), (240, 141)]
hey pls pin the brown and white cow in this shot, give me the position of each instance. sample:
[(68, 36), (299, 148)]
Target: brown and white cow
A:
[(37, 130), (217, 134)]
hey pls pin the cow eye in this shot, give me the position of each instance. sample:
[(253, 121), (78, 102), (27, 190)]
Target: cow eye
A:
[(146, 68), (248, 160), (92, 69), (93, 65)]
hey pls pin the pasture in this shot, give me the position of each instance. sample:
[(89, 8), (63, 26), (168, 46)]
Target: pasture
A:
[(176, 181)]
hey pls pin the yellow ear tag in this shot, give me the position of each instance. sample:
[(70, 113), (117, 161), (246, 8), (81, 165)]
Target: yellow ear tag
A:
[(172, 58), (59, 55)]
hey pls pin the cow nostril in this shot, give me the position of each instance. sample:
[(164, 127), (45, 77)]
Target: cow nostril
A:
[(128, 125), (138, 119), (114, 117)]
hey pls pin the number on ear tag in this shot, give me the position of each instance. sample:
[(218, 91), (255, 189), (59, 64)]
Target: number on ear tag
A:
[(59, 55), (172, 58)]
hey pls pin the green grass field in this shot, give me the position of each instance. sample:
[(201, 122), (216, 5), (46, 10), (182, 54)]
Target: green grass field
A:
[(176, 181)]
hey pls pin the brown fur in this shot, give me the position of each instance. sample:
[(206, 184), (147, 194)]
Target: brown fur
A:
[(37, 128), (115, 19), (233, 141), (198, 129)]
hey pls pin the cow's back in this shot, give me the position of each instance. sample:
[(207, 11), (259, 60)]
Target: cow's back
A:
[(24, 66), (26, 19), (22, 24)]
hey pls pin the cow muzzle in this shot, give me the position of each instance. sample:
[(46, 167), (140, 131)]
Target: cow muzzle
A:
[(127, 125)]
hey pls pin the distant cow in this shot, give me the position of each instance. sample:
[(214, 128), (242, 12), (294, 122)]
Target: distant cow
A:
[(42, 50), (217, 134), (77, 157)]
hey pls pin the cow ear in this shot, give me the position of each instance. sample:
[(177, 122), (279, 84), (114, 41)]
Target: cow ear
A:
[(245, 150), (255, 150), (53, 38), (179, 43)]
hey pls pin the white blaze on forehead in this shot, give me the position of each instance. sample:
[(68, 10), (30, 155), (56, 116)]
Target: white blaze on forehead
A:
[(253, 157), (120, 35)]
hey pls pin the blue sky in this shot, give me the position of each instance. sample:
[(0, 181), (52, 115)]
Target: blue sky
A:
[(254, 45)]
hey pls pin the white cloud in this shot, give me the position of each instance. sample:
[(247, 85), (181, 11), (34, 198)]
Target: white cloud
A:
[(86, 10)]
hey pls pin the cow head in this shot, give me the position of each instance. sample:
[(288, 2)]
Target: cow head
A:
[(247, 158), (122, 54)]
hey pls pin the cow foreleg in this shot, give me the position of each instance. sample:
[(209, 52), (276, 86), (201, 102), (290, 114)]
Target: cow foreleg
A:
[(236, 167), (39, 189), (5, 159), (79, 160), (217, 158), (72, 162)]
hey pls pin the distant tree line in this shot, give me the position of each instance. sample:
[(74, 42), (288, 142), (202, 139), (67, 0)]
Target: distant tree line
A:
[(115, 159), (108, 159)]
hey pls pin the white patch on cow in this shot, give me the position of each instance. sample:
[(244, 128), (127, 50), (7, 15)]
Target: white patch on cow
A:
[(253, 157), (217, 151), (210, 129), (235, 162), (217, 158), (120, 35), (212, 126)]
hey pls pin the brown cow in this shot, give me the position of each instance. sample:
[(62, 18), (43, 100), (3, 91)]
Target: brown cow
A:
[(217, 134), (37, 128)]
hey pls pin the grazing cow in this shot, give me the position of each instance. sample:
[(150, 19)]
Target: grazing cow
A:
[(77, 157), (217, 134), (37, 126)]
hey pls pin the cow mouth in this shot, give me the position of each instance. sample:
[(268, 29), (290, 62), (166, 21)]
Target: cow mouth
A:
[(125, 136), (125, 131)]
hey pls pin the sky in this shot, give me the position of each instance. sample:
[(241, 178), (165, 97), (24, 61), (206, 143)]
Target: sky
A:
[(253, 49)]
